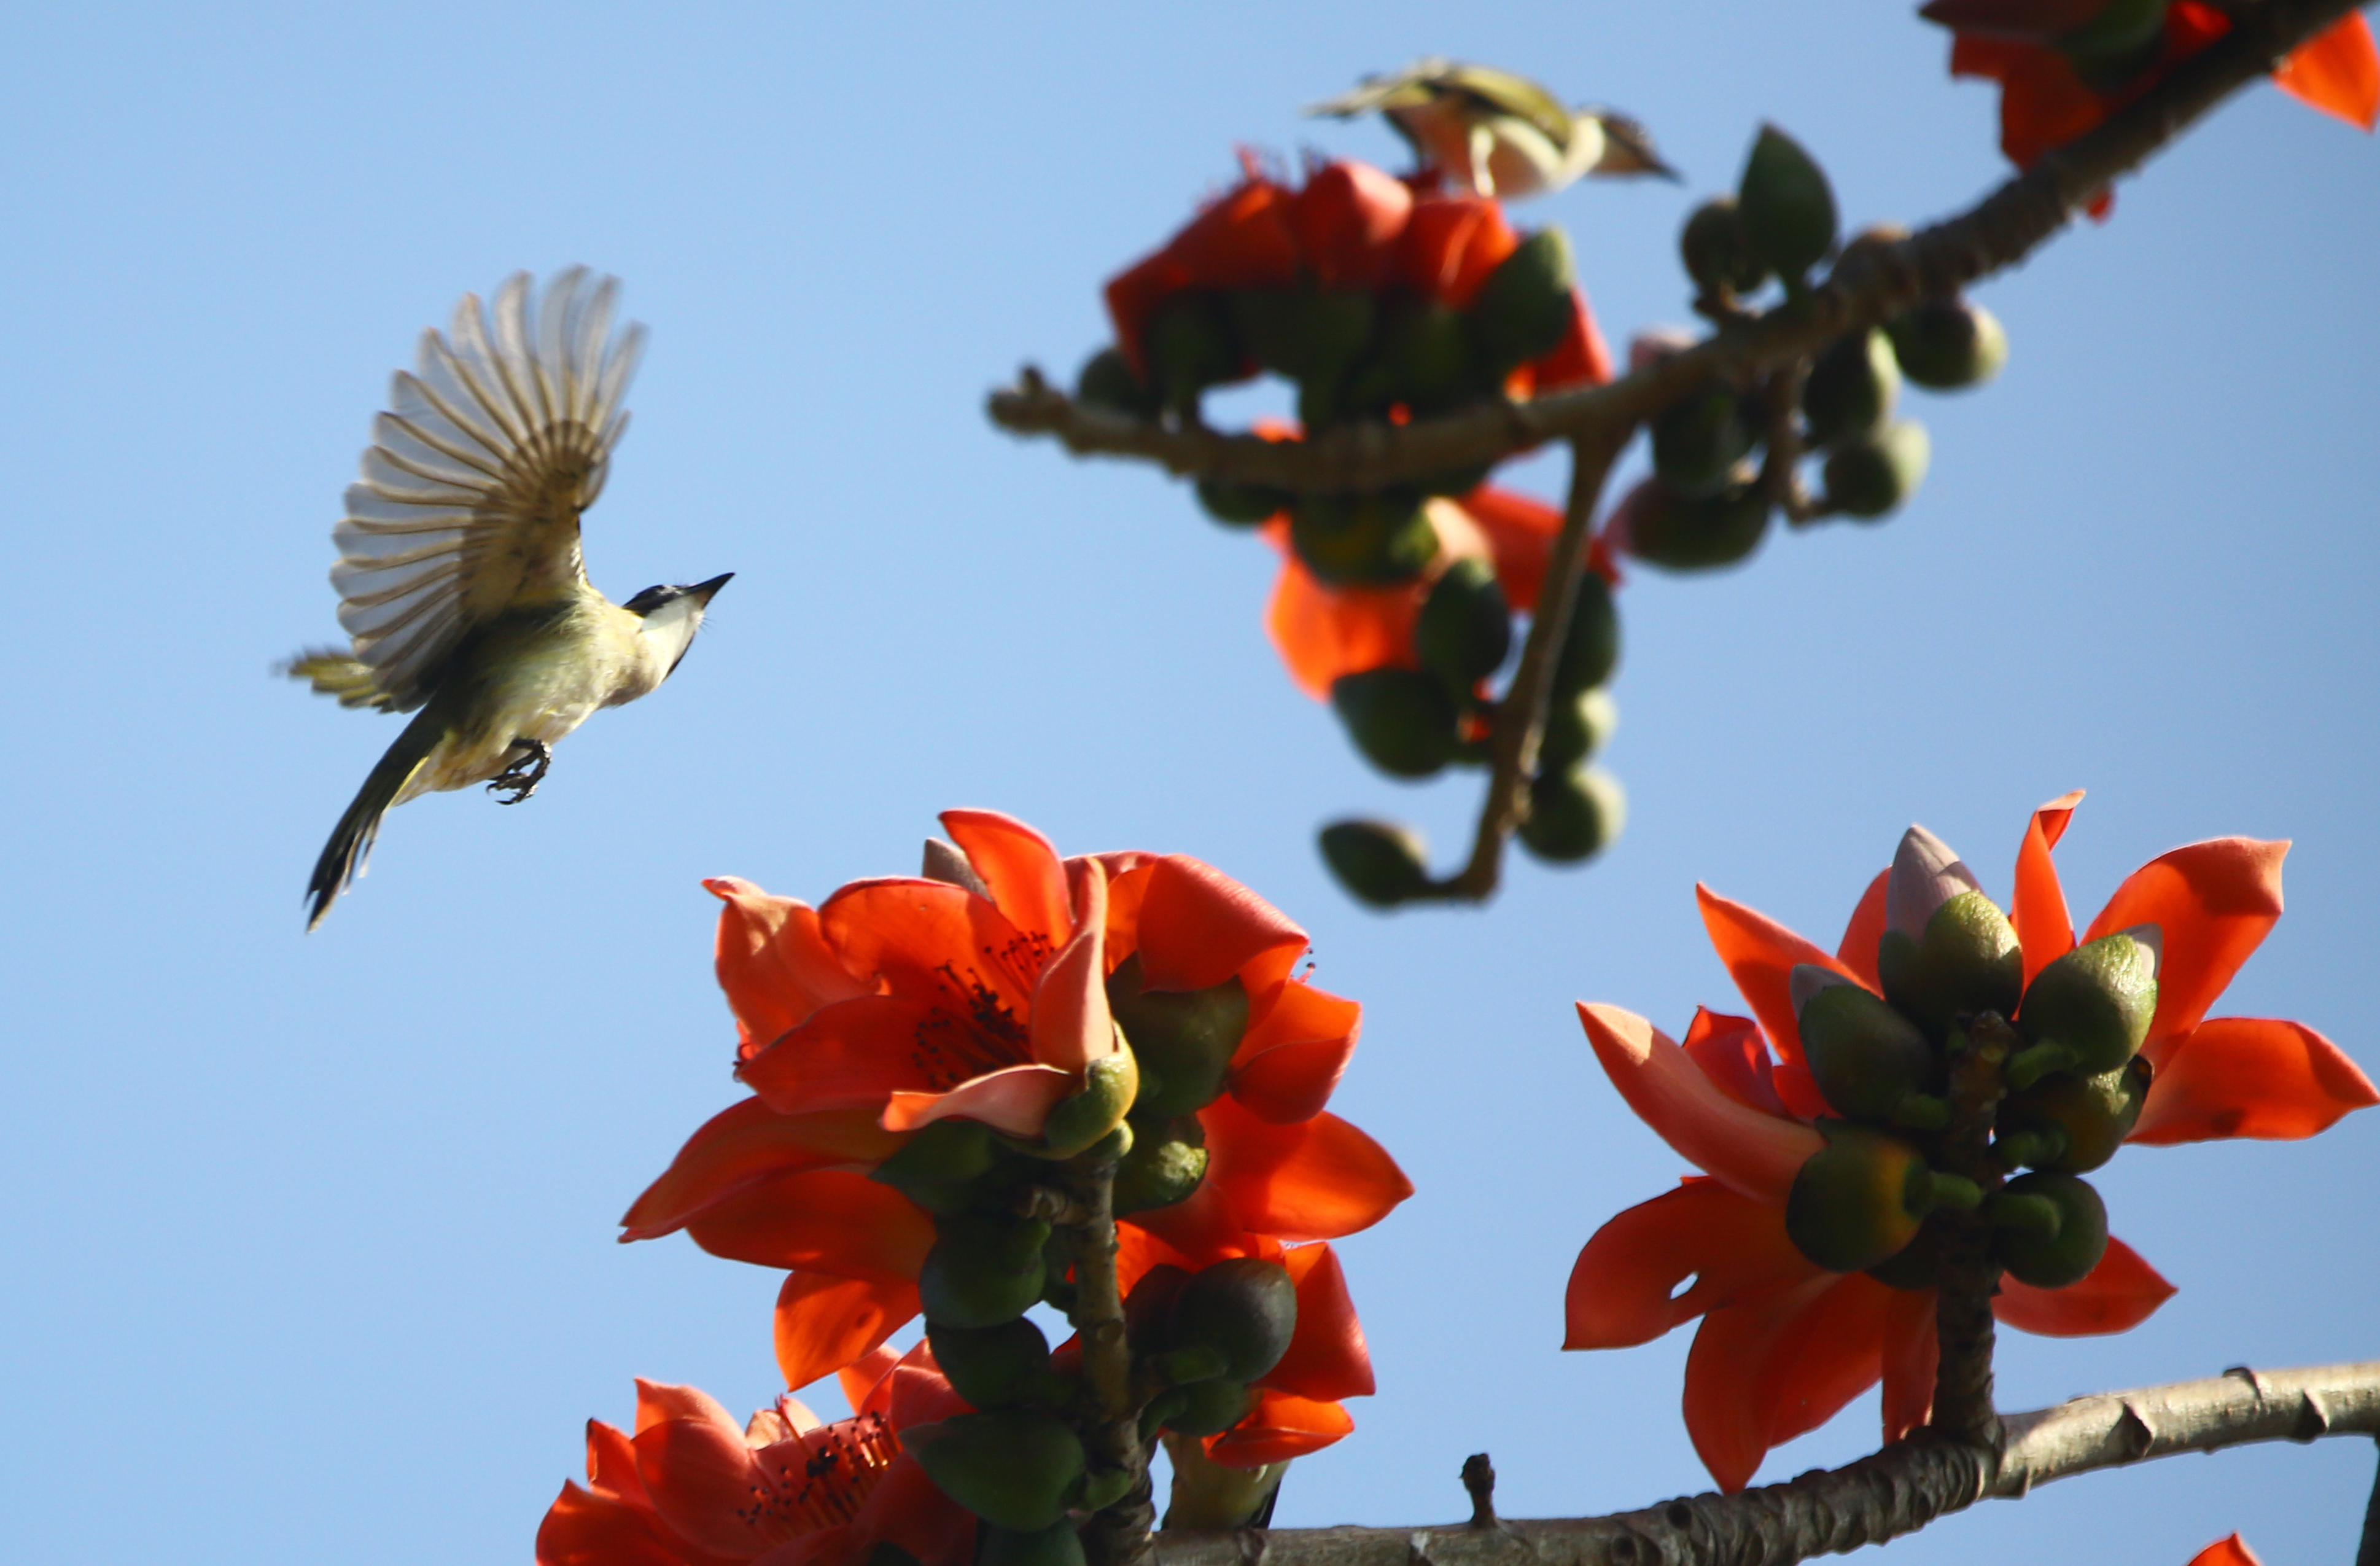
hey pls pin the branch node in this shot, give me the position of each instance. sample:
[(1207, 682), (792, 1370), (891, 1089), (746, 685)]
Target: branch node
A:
[(1479, 1483), (2133, 1432), (2247, 1373), (2313, 1417)]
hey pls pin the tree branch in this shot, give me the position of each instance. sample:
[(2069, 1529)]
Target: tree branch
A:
[(1116, 1535), (1883, 280), (1896, 1491)]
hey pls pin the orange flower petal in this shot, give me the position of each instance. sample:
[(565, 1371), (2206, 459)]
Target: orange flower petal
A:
[(825, 1323), (1760, 955), (2121, 1292), (1624, 1290), (701, 1478), (1015, 1099), (1520, 531), (1071, 1026), (1730, 1051), (861, 1379), (1912, 1353), (773, 965), (1328, 1358), (1347, 219), (908, 1511), (2212, 902), (1199, 927), (2233, 1551), (1281, 1426), (1320, 1179), (850, 1055), (1322, 633), (1757, 1154), (1289, 1061), (660, 1402), (749, 1142), (2338, 72), (1027, 882), (820, 1220), (928, 938), (1735, 1374), (1581, 358), (612, 1461), (1857, 951), (583, 1529), (1833, 1353), (2038, 907), (2249, 1077)]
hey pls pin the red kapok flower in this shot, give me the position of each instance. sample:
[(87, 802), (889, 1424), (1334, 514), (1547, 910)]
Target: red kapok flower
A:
[(2046, 102), (898, 1003), (1784, 1343), (690, 1488), (2233, 1551)]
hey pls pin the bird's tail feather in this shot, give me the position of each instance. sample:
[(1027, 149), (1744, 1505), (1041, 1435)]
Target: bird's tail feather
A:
[(351, 841)]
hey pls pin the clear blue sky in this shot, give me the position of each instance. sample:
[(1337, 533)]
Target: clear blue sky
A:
[(310, 1239)]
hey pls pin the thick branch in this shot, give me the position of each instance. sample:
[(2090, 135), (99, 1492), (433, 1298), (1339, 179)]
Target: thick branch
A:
[(1997, 233), (1896, 1491), (1117, 1534), (1520, 715)]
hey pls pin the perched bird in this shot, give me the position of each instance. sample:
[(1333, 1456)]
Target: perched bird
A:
[(459, 576), (1496, 133)]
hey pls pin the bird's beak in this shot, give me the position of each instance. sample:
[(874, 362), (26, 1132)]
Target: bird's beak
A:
[(704, 590)]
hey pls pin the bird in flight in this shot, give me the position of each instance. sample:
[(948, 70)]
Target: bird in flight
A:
[(460, 577), (1497, 134)]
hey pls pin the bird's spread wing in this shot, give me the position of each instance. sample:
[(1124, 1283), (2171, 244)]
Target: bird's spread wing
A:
[(1424, 81), (472, 488)]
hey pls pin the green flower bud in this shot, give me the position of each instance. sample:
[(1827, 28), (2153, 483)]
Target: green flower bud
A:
[(1379, 538), (1242, 505), (2073, 1246), (1577, 727), (1716, 252), (983, 1269), (1948, 345), (1914, 1266), (1660, 526), (1189, 346), (1149, 1310), (1379, 863), (1245, 1308), (2072, 1124), (1525, 309), (1057, 1545), (1184, 1039), (1466, 627), (1866, 1057), (1872, 475), (1421, 357), (1698, 440), (1851, 388), (1787, 207), (1574, 814), (1968, 961), (1012, 1467), (993, 1366), (1107, 382), (1322, 402), (2096, 1001), (1859, 1200), (2122, 29), (1165, 1166), (1100, 1488), (1080, 1119), (1304, 333), (948, 1166), (1590, 648), (1209, 1408), (1400, 719)]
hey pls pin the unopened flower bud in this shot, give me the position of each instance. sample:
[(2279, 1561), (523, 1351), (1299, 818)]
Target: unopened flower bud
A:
[(1421, 356), (1914, 1266), (1574, 812), (1865, 1056), (1402, 720), (1577, 727), (1243, 1307), (1190, 347), (1210, 1407), (1590, 647), (1874, 475), (1926, 873), (1013, 1468), (1107, 382), (1184, 1039), (2121, 30), (1380, 863), (1657, 525), (1242, 505), (947, 1167), (1465, 630), (1377, 538), (1787, 207), (1967, 961), (2072, 1124), (1716, 251), (983, 1269), (1523, 310), (1084, 1118), (1859, 1200), (2096, 1001), (1149, 1309), (2075, 1243), (1698, 440), (1948, 345), (1851, 388), (992, 1366), (1304, 333)]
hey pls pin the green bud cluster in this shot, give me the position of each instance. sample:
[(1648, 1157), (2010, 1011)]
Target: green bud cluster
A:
[(1184, 1040), (1950, 971), (1205, 1336)]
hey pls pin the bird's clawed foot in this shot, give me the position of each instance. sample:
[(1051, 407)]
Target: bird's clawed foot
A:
[(523, 776)]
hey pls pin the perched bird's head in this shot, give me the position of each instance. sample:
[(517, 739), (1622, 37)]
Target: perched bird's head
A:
[(1627, 146), (672, 615)]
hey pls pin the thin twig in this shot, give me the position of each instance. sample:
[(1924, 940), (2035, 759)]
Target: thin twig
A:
[(1997, 233), (1896, 1491), (2368, 1552)]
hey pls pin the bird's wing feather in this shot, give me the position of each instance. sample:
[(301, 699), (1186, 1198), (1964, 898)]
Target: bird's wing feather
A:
[(1511, 95), (470, 493), (1406, 89)]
